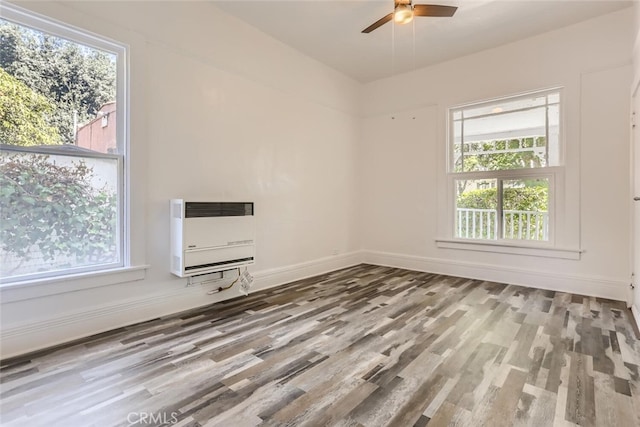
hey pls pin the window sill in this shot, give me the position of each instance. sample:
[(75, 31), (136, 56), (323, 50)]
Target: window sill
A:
[(511, 249), (18, 291)]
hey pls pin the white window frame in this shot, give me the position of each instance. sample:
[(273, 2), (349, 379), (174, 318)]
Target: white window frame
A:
[(555, 175), (122, 270)]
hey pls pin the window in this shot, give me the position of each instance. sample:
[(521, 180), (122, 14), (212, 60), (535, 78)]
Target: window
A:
[(62, 149), (504, 155)]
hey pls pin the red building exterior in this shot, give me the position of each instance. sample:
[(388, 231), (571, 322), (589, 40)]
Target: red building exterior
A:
[(100, 133)]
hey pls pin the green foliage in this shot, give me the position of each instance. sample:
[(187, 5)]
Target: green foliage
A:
[(483, 198), (496, 155), (529, 198), (55, 209), (24, 114), (76, 79)]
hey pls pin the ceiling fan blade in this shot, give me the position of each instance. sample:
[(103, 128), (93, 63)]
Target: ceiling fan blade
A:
[(433, 10), (378, 23)]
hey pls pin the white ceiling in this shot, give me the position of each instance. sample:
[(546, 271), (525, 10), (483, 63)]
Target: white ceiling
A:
[(330, 30)]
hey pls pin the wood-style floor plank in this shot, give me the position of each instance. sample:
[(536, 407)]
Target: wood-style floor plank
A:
[(363, 346)]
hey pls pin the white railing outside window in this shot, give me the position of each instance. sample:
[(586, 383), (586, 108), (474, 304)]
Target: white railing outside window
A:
[(516, 224)]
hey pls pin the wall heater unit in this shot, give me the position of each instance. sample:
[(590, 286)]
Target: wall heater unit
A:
[(207, 237)]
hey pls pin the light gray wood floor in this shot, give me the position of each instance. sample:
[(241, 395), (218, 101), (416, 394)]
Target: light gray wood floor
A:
[(364, 346)]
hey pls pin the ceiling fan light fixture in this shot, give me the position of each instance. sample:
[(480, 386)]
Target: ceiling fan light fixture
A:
[(403, 14), (404, 11)]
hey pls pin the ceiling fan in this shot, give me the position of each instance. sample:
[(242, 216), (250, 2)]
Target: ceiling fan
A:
[(404, 11)]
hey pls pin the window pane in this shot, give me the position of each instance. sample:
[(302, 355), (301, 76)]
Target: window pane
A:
[(520, 133), (35, 66), (516, 124), (58, 213), (506, 141), (525, 209), (60, 156), (476, 209)]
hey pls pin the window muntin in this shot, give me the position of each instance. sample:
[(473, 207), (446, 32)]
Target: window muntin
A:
[(504, 156), (52, 227)]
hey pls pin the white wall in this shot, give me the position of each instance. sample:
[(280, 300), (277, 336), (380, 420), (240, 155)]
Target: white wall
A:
[(404, 184), (219, 111)]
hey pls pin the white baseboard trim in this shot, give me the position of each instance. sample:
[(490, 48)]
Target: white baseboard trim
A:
[(281, 275), (602, 287), (43, 333)]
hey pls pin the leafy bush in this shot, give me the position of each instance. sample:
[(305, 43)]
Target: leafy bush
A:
[(531, 198), (55, 209)]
